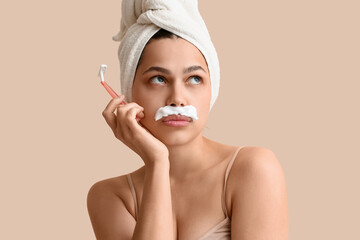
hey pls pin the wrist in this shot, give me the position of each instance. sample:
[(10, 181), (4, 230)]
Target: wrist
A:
[(158, 164)]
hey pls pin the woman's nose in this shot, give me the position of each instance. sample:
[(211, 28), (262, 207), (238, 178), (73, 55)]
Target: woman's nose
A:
[(176, 97)]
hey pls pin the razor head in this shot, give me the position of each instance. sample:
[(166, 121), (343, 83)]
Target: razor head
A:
[(102, 71)]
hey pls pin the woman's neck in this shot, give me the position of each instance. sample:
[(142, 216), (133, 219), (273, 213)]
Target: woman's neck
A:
[(190, 158)]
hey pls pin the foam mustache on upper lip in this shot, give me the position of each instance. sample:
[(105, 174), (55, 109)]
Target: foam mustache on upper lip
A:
[(189, 111)]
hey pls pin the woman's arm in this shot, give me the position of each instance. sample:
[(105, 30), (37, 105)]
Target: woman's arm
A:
[(155, 220), (109, 216), (260, 208)]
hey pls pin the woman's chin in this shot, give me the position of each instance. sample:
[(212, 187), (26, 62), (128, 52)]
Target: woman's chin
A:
[(174, 139)]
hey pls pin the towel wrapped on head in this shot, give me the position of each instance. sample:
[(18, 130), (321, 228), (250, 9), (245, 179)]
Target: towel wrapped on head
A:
[(141, 19)]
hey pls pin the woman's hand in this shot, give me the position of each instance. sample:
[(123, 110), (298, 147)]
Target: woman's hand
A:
[(127, 128)]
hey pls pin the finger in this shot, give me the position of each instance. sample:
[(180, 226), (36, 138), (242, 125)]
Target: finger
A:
[(125, 119), (126, 115), (122, 110), (129, 105), (134, 114), (111, 106), (108, 113)]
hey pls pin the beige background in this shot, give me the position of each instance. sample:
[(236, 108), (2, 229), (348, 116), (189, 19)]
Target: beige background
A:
[(290, 83)]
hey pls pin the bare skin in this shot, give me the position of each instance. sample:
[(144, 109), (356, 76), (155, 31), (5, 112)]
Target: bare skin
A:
[(179, 187)]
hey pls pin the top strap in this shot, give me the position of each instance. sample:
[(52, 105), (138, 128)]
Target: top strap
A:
[(133, 193), (230, 164)]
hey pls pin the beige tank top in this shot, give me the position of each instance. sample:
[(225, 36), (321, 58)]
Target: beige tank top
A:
[(222, 230)]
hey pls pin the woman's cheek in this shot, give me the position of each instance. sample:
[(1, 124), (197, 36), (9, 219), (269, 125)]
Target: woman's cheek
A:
[(149, 112)]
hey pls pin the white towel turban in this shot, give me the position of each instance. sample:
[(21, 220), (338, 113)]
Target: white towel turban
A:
[(141, 19)]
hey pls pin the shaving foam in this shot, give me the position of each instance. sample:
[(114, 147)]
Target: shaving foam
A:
[(189, 111)]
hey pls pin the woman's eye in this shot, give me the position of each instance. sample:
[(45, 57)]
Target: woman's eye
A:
[(195, 79), (157, 80)]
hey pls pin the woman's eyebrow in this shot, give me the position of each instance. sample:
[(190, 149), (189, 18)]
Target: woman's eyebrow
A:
[(166, 71)]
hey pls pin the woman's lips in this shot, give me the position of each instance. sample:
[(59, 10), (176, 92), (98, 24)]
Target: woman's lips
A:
[(176, 121)]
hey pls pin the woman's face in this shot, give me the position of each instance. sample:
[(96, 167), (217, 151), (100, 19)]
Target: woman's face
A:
[(172, 72)]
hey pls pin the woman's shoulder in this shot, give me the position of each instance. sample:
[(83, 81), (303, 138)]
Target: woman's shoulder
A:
[(118, 186), (254, 161), (110, 205), (253, 155), (254, 167)]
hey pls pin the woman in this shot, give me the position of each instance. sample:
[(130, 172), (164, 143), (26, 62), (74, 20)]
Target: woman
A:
[(190, 187)]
